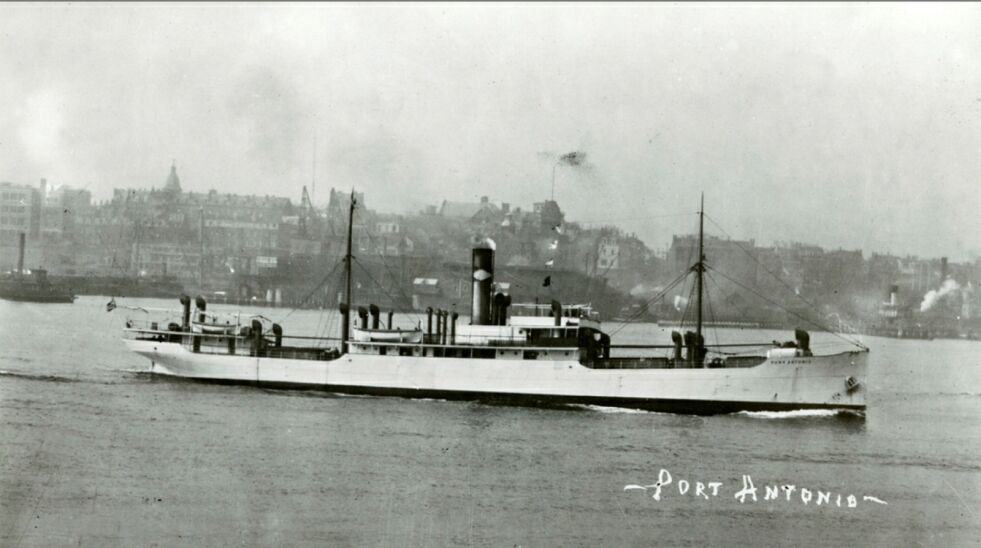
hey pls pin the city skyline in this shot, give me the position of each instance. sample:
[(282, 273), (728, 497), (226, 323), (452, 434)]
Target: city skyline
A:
[(847, 126), (54, 193)]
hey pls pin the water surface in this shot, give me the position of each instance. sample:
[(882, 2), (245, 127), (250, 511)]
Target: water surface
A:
[(96, 452)]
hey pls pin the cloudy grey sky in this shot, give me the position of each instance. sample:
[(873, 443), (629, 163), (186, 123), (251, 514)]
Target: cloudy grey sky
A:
[(855, 126)]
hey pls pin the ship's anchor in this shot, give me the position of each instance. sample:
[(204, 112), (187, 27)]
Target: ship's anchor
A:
[(852, 384)]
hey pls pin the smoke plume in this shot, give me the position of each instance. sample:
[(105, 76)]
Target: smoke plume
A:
[(934, 295)]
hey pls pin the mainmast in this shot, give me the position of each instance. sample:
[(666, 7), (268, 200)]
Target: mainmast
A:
[(699, 272), (348, 258), (201, 252)]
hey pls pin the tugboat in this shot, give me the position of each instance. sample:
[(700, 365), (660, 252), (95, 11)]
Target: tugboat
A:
[(32, 286), (521, 354)]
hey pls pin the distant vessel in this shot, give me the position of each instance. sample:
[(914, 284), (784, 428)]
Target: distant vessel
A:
[(897, 321), (524, 354), (32, 286)]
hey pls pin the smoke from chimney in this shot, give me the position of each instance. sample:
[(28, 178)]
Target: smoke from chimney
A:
[(934, 295)]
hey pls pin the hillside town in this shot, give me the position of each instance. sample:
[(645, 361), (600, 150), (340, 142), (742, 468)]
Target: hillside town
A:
[(275, 250)]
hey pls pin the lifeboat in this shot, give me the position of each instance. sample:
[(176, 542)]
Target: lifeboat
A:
[(213, 328), (387, 335)]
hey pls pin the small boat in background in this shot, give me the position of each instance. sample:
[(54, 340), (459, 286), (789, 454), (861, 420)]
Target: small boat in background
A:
[(33, 285)]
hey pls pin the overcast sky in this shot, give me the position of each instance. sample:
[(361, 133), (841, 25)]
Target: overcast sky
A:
[(854, 126)]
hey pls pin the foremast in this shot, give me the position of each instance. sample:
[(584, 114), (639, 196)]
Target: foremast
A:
[(697, 345), (348, 260)]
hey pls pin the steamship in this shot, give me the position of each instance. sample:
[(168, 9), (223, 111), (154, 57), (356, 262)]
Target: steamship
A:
[(509, 353)]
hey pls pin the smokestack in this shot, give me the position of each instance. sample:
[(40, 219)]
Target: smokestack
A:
[(893, 293), (20, 254), (483, 280), (453, 318), (943, 269)]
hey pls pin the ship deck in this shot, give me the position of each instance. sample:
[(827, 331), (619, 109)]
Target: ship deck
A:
[(326, 349)]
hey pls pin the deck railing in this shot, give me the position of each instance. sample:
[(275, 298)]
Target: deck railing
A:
[(326, 348)]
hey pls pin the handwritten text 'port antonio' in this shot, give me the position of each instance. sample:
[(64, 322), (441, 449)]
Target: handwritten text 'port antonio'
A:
[(749, 492)]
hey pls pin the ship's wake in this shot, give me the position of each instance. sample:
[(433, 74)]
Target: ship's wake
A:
[(801, 414), (613, 410)]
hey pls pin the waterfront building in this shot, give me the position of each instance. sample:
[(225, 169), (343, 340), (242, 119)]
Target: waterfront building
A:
[(17, 210)]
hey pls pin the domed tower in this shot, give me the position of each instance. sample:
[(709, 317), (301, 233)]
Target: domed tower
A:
[(173, 184)]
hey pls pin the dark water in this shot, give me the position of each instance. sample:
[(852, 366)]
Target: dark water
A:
[(93, 452)]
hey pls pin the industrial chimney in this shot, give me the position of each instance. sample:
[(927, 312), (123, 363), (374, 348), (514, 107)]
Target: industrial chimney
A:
[(20, 255)]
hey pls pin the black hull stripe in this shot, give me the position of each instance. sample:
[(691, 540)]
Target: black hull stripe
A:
[(688, 407)]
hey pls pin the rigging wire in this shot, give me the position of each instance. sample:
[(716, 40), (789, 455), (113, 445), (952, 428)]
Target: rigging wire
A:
[(691, 292), (589, 294), (779, 279), (687, 313), (661, 294), (711, 313), (681, 277), (320, 317), (524, 282), (331, 317), (741, 310), (802, 318), (650, 301), (371, 241), (312, 291), (364, 269)]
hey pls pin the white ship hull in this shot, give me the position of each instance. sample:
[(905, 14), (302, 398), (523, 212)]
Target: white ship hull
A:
[(784, 383)]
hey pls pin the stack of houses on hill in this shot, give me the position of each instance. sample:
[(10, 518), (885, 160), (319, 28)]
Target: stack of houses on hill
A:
[(277, 250)]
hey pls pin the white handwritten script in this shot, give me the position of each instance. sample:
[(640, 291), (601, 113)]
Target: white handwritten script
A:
[(748, 492)]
